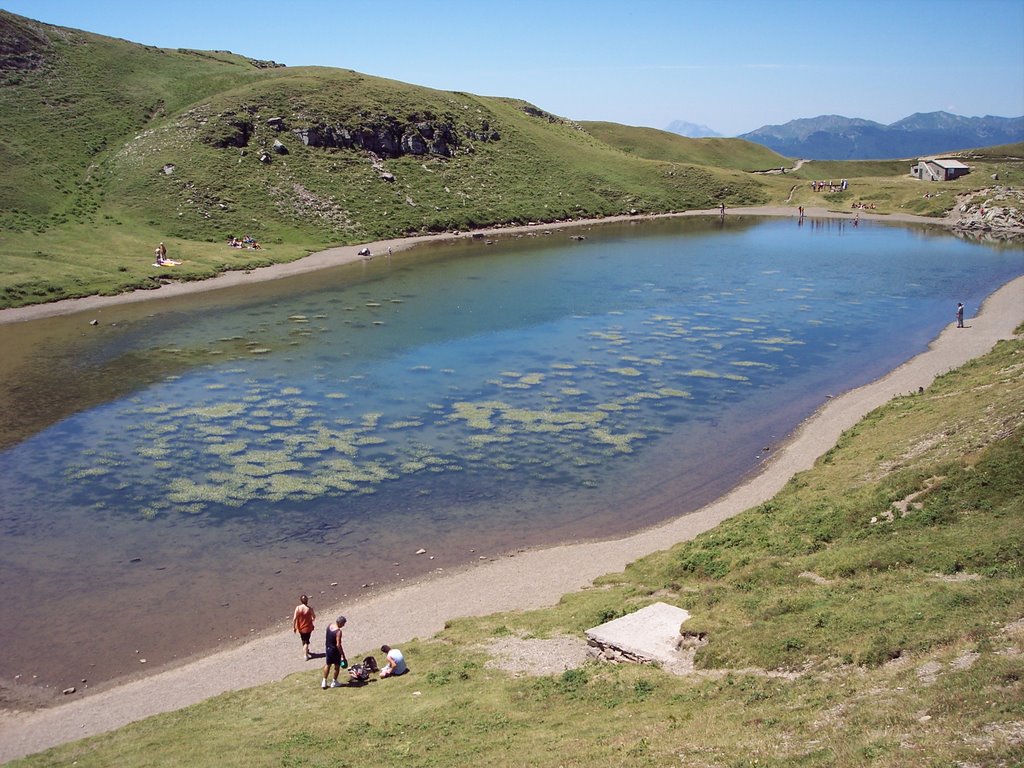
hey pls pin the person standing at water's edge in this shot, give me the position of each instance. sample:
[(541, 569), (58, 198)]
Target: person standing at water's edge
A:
[(302, 623), (334, 652), (960, 315)]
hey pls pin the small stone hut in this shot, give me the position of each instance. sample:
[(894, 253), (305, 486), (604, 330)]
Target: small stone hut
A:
[(939, 169)]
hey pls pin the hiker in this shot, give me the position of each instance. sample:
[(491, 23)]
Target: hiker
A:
[(302, 623), (334, 653), (960, 315), (394, 662)]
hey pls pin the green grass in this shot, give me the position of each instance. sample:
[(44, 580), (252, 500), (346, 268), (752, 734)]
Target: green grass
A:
[(839, 632), (888, 186), (653, 144), (836, 635), (92, 131), (85, 200)]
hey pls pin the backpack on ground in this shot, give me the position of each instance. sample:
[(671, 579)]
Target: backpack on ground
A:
[(360, 673)]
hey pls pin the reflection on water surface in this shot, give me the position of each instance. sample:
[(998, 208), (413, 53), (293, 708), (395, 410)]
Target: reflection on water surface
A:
[(472, 397)]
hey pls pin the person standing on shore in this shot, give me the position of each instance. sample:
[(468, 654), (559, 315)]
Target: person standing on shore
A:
[(960, 315), (334, 652), (302, 623)]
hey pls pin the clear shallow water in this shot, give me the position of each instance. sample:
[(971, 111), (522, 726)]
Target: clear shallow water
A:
[(472, 399)]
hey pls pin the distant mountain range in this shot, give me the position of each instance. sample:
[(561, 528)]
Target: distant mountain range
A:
[(833, 137), (692, 130)]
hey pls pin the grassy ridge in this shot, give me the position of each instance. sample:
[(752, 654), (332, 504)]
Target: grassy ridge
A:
[(653, 144), (841, 631), (175, 146), (110, 147)]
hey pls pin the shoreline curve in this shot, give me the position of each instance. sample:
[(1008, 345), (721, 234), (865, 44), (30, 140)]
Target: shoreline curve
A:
[(347, 254), (522, 581)]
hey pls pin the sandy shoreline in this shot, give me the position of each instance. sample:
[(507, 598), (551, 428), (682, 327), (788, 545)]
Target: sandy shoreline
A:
[(527, 580), (346, 254)]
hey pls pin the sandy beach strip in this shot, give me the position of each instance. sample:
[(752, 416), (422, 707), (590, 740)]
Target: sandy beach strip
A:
[(346, 254), (526, 580)]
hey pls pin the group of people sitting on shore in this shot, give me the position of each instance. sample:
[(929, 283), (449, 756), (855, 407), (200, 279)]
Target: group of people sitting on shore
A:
[(334, 652), (245, 242), (863, 205)]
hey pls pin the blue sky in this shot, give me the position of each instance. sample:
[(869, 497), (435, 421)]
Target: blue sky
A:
[(733, 65)]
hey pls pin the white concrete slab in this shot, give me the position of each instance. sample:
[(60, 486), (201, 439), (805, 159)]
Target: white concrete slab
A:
[(650, 634)]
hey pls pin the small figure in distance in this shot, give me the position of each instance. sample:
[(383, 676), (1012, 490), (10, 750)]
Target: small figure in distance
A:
[(721, 208), (334, 652), (960, 315), (161, 257), (394, 662), (302, 623)]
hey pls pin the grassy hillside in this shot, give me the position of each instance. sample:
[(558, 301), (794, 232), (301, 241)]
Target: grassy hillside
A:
[(653, 144), (868, 615), (886, 185), (111, 147)]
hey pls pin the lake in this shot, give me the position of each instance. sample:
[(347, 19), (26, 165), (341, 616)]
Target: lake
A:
[(174, 476)]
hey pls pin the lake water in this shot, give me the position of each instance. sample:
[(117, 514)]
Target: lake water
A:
[(175, 476)]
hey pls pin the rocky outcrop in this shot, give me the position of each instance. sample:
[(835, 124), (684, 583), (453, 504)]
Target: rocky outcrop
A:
[(229, 131), (996, 212), (390, 138), (266, 64), (23, 44), (533, 111), (383, 137)]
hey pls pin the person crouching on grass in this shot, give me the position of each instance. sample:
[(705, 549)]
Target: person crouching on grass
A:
[(394, 662), (334, 655)]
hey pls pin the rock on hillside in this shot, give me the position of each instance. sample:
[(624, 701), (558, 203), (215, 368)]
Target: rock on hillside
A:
[(996, 212), (22, 43), (382, 135)]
